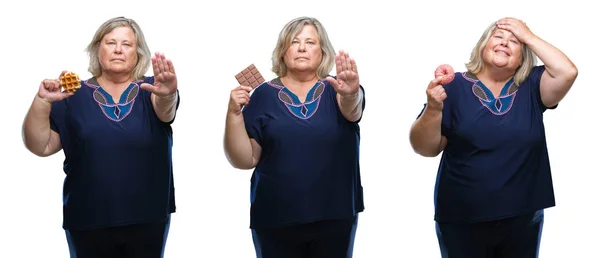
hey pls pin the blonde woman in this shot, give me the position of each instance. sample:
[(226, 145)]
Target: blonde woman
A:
[(300, 134), (494, 177), (116, 135)]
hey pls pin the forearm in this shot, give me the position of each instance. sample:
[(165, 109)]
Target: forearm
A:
[(557, 64), (238, 148), (36, 126), (425, 134), (165, 107), (351, 106)]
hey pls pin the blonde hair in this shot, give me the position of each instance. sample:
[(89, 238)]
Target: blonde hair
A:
[(291, 30), (144, 55), (476, 64)]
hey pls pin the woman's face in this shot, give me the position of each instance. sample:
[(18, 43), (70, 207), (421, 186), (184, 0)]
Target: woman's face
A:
[(304, 53), (118, 51), (503, 50)]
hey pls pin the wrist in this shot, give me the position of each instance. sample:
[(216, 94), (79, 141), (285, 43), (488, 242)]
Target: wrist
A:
[(432, 111), (351, 96), (42, 100), (530, 39), (171, 96)]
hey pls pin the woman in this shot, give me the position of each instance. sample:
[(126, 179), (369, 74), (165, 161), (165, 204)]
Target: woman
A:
[(116, 135), (494, 178), (300, 133)]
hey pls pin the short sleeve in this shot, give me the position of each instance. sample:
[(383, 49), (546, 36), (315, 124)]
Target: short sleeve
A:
[(446, 125), (254, 113), (534, 79), (58, 113), (364, 101)]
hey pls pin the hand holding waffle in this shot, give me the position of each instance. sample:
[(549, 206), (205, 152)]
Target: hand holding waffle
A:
[(51, 90), (165, 79)]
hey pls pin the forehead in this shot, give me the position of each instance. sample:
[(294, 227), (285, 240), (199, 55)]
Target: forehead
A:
[(120, 32), (307, 31), (503, 32)]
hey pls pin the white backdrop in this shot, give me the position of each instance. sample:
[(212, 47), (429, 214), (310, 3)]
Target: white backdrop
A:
[(396, 47)]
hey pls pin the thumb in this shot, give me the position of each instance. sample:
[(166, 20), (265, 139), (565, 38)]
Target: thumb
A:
[(64, 95), (435, 82), (149, 87), (333, 82)]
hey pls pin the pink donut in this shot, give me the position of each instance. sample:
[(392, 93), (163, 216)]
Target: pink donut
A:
[(446, 72)]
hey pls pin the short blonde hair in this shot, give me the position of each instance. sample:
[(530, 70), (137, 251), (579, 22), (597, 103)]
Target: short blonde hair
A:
[(287, 34), (144, 55), (476, 64)]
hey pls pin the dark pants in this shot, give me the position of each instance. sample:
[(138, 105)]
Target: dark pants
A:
[(516, 237), (321, 239), (131, 241)]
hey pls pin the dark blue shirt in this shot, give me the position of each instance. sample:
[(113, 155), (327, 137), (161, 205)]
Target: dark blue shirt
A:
[(496, 162), (117, 157), (309, 168)]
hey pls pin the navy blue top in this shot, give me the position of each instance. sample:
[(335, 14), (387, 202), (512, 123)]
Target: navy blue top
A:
[(117, 157), (495, 164), (309, 167)]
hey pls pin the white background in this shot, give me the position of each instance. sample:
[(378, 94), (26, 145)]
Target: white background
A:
[(396, 46)]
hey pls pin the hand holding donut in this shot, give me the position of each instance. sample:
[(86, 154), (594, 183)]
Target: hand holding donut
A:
[(435, 91)]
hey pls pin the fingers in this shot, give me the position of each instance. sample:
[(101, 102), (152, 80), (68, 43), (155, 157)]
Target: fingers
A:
[(245, 88), (353, 66), (344, 60), (241, 96), (62, 73), (160, 60), (170, 67), (51, 84), (437, 94), (435, 82)]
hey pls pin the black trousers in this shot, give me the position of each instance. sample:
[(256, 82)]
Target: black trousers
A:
[(132, 241), (516, 237), (321, 239)]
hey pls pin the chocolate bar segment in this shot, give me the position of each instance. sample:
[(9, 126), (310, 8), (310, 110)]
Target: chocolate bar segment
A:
[(250, 77)]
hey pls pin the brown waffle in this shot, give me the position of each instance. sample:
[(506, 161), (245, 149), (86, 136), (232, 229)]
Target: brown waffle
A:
[(70, 82), (250, 77)]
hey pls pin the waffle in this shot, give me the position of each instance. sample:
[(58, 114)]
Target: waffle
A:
[(250, 77), (70, 82)]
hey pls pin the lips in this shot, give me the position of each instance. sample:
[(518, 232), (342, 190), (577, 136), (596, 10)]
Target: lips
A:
[(302, 58), (502, 51)]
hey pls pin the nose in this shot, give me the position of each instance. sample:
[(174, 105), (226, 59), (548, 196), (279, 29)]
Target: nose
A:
[(504, 43), (302, 47), (118, 48)]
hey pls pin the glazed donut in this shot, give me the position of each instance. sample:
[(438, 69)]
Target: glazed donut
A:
[(446, 72)]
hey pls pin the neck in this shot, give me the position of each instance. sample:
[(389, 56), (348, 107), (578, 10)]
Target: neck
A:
[(301, 77), (496, 75), (114, 79)]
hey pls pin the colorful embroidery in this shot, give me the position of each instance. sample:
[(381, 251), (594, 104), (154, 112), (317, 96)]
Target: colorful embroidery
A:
[(301, 110), (115, 111), (498, 106)]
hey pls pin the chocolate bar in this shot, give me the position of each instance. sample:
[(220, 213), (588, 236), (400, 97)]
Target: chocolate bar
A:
[(250, 77)]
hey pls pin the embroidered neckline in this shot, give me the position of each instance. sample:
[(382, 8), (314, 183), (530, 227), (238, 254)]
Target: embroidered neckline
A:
[(114, 111), (302, 110), (496, 105)]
